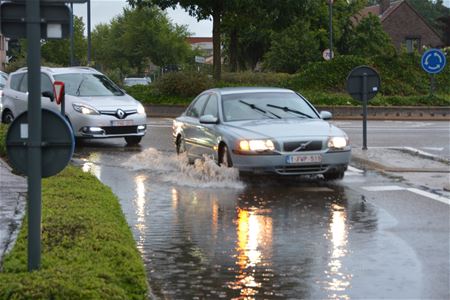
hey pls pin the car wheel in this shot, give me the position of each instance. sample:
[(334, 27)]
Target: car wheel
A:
[(225, 157), (333, 175), (181, 145), (7, 117), (133, 140)]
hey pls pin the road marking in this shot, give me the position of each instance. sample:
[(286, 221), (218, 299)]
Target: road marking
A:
[(159, 125), (434, 148), (388, 188), (430, 195), (384, 188)]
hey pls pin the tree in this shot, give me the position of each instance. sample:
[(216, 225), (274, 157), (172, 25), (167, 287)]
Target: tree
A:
[(137, 37), (369, 38), (201, 9), (58, 51)]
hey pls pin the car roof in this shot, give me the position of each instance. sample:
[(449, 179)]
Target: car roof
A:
[(242, 90), (66, 70)]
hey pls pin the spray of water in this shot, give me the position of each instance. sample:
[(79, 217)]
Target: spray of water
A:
[(172, 168)]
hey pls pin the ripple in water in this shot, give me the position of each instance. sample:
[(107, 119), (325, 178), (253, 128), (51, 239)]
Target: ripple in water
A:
[(175, 169)]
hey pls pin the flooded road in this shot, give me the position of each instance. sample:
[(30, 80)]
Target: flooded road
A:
[(206, 233)]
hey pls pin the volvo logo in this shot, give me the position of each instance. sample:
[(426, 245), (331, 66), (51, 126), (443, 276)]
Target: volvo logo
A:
[(120, 114), (302, 146)]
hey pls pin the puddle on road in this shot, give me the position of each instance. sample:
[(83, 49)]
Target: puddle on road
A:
[(176, 170)]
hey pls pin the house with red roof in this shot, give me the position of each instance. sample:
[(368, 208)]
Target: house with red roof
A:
[(205, 44), (404, 24)]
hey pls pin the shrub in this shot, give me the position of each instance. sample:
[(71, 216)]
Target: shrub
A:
[(326, 75), (182, 84), (88, 251), (254, 79), (3, 131)]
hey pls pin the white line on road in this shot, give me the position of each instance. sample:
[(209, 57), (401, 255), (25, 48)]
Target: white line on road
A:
[(388, 188), (430, 195), (384, 188), (353, 169)]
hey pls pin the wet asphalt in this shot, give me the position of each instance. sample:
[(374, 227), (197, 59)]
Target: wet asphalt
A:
[(206, 233)]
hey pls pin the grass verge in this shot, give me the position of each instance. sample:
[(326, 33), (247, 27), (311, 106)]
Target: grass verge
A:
[(88, 251)]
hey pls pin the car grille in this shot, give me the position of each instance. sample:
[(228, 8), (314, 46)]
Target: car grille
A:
[(302, 146), (120, 129), (307, 169)]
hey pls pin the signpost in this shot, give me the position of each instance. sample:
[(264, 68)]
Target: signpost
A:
[(327, 54), (30, 19), (433, 62), (363, 83)]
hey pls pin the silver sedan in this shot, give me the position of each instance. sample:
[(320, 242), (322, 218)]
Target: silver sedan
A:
[(262, 130)]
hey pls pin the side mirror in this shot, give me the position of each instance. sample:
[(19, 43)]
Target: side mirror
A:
[(49, 94), (209, 119), (326, 115)]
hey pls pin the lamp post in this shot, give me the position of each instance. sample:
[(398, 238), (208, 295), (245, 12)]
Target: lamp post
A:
[(330, 10)]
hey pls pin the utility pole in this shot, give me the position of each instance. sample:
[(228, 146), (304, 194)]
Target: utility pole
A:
[(330, 30)]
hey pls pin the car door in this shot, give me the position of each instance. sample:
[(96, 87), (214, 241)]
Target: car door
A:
[(208, 135), (191, 126), (18, 93)]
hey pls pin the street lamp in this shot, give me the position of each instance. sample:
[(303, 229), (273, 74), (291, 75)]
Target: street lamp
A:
[(330, 9)]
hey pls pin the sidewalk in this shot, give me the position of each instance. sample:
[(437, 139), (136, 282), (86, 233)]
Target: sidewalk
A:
[(13, 191)]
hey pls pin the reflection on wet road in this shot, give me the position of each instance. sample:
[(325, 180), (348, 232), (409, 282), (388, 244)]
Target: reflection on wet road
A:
[(205, 233)]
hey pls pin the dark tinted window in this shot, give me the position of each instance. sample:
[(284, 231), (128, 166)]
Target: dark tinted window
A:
[(211, 106), (88, 85), (15, 81), (196, 109)]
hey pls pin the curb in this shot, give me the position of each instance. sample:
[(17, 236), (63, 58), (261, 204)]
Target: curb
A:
[(400, 113), (366, 163)]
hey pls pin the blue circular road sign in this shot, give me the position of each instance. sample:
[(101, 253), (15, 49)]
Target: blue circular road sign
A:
[(433, 61)]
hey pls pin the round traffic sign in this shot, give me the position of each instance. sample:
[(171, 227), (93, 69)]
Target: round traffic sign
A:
[(433, 61), (58, 143), (363, 83), (327, 54)]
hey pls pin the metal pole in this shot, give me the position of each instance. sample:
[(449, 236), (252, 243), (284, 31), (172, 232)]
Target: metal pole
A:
[(89, 32), (431, 85), (34, 139), (364, 99), (330, 9), (71, 35)]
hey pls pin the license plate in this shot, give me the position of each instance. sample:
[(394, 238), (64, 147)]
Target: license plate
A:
[(301, 159), (122, 123)]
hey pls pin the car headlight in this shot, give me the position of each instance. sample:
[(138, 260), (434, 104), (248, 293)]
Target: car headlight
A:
[(85, 109), (256, 145), (141, 109), (337, 142)]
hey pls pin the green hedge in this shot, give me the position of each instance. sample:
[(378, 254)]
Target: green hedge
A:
[(403, 82), (3, 131), (88, 251)]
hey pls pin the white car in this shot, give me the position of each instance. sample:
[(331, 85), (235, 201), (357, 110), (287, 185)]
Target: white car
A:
[(94, 106), (130, 81)]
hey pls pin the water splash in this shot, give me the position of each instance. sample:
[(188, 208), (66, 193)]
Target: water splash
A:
[(172, 168)]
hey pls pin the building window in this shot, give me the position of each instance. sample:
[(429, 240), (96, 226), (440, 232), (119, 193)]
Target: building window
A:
[(412, 44)]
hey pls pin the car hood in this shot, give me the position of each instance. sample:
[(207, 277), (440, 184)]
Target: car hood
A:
[(283, 129), (106, 102)]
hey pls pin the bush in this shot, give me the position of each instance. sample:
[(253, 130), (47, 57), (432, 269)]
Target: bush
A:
[(326, 75), (254, 79), (3, 131), (88, 251), (182, 84)]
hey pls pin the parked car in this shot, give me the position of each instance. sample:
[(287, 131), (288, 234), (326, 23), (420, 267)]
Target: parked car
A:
[(94, 106), (130, 81), (263, 130)]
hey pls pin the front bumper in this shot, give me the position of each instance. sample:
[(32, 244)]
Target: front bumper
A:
[(278, 163)]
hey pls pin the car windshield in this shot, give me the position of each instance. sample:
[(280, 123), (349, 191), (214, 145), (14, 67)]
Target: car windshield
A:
[(264, 105), (88, 85)]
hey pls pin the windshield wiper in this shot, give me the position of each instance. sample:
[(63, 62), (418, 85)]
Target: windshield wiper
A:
[(257, 108), (77, 93), (285, 108)]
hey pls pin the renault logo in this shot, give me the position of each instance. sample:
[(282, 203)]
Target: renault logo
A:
[(120, 114)]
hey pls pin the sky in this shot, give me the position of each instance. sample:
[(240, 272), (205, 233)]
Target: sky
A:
[(102, 11)]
